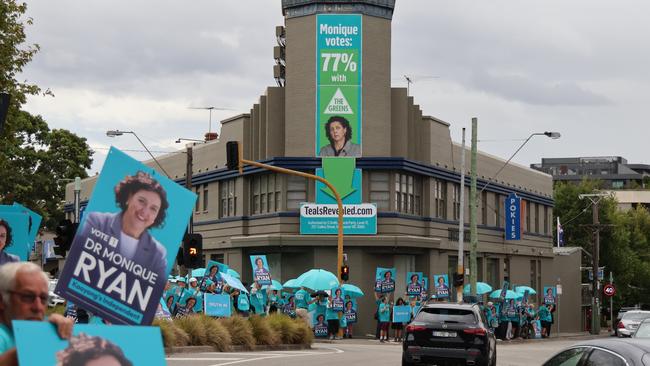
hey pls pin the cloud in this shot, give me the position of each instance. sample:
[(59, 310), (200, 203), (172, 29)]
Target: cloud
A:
[(527, 90)]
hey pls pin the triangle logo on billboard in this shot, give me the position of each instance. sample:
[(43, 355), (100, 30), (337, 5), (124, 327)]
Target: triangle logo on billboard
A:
[(338, 104)]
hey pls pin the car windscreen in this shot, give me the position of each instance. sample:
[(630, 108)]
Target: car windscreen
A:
[(636, 316), (431, 315)]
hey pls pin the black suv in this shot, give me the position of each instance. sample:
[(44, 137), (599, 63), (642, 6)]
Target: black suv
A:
[(449, 334)]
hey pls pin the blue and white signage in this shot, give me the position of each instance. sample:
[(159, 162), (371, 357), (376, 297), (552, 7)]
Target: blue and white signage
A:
[(513, 217), (217, 305)]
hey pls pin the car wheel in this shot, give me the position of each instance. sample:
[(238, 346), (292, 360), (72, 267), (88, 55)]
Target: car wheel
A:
[(405, 362)]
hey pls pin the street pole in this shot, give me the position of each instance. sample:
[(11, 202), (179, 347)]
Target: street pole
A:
[(77, 199), (312, 177), (472, 213), (611, 301), (595, 312), (188, 181), (461, 223)]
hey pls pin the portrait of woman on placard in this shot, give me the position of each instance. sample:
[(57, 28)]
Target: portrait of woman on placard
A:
[(5, 241), (261, 272), (413, 287), (143, 203), (91, 351), (339, 134)]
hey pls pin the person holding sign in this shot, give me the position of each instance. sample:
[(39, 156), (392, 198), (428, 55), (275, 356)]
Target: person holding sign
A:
[(23, 296), (387, 283), (6, 241), (339, 134), (383, 311), (261, 273), (350, 315), (398, 327), (336, 301)]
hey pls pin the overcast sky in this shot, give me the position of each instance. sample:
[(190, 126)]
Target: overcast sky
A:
[(577, 67)]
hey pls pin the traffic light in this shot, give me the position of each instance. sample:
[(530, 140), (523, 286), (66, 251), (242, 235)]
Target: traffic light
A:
[(232, 155), (193, 250), (459, 279), (345, 272), (65, 233)]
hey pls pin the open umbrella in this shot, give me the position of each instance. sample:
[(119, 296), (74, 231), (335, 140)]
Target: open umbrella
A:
[(522, 289), (232, 273), (352, 290), (481, 288), (318, 279), (509, 295), (198, 272), (233, 282), (275, 285), (291, 284)]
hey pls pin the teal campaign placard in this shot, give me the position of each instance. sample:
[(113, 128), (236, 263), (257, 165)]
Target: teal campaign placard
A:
[(550, 294), (127, 242), (441, 286), (401, 314), (336, 300), (261, 271), (14, 234), (338, 84), (384, 280), (217, 305), (414, 283), (319, 325), (39, 344)]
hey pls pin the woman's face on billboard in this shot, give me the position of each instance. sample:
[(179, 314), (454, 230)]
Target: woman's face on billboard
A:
[(141, 211)]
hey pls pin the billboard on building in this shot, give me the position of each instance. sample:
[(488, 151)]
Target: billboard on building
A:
[(513, 217)]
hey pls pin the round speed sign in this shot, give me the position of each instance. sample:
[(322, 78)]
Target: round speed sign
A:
[(609, 290)]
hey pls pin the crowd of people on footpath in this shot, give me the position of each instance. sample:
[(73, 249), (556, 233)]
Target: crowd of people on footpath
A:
[(509, 319)]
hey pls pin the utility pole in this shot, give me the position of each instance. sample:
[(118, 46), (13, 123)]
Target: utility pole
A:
[(595, 199), (77, 199), (461, 223), (188, 181), (472, 212)]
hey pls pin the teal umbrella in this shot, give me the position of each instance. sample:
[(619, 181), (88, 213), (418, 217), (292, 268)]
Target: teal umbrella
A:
[(199, 272), (233, 282), (275, 285), (291, 284), (318, 280), (522, 289), (352, 290), (509, 295), (481, 288), (231, 272)]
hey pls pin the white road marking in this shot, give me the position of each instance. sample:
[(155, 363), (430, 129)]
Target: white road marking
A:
[(284, 354)]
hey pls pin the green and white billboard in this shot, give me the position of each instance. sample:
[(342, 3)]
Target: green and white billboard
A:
[(338, 85)]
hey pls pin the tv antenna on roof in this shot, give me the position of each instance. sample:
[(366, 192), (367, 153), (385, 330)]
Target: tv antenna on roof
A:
[(211, 109), (410, 79)]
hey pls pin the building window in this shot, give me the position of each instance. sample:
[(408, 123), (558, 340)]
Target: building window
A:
[(455, 199), (296, 192), (537, 218), (498, 219), (527, 208), (493, 272), (217, 257), (265, 191), (545, 219), (205, 198), (380, 190), (408, 194), (439, 199), (197, 190), (228, 198), (484, 208)]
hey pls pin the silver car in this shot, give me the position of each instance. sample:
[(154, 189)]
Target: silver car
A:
[(643, 330), (630, 322)]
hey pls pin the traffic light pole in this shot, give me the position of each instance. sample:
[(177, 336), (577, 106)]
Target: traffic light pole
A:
[(339, 202)]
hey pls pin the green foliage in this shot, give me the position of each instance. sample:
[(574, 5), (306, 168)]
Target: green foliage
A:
[(624, 239), (33, 158), (241, 331)]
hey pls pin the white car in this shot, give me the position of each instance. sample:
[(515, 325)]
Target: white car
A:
[(630, 322), (54, 299)]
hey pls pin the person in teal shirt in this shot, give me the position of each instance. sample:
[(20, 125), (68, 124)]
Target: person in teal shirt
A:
[(258, 300), (383, 315), (24, 292), (332, 318), (545, 318), (302, 299), (243, 304)]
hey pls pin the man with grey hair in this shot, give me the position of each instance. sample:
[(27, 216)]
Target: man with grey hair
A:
[(23, 296)]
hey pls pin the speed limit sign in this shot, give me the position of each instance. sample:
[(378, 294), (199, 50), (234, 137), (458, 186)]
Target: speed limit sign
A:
[(609, 290)]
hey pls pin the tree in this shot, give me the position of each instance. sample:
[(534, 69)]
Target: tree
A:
[(34, 160), (624, 240)]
